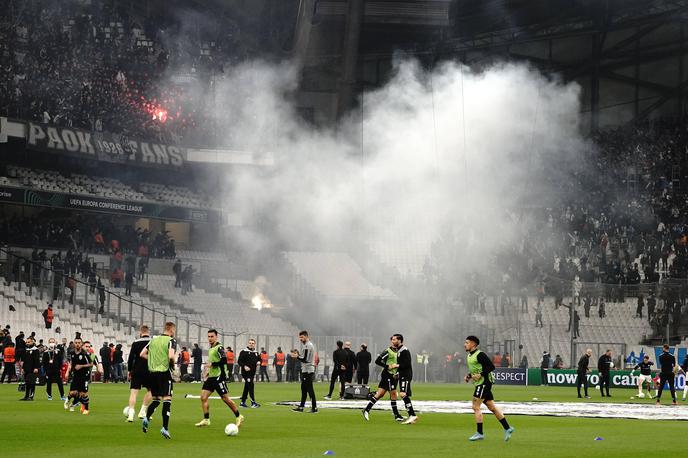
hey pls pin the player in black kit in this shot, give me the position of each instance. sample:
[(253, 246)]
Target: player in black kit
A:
[(645, 376), (139, 375), (80, 363)]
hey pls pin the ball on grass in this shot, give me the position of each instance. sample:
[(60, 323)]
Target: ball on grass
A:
[(231, 429), (126, 411), (641, 395)]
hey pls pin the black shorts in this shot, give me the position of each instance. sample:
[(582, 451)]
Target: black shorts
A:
[(484, 392), (215, 384), (79, 384), (405, 386), (160, 384), (139, 380), (388, 382)]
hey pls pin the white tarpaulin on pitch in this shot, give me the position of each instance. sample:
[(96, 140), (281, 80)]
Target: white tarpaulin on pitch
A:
[(557, 409)]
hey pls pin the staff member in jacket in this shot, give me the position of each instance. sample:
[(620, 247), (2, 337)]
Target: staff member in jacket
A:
[(582, 372), (52, 365), (230, 364), (340, 360), (278, 361), (264, 360), (604, 365), (248, 360), (363, 360), (31, 367), (9, 369), (306, 357), (350, 364), (667, 364)]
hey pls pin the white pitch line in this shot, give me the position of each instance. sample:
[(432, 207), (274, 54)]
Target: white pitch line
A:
[(556, 409)]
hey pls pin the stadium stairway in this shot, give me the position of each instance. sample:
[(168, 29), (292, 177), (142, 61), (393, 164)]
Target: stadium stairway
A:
[(618, 327), (28, 318)]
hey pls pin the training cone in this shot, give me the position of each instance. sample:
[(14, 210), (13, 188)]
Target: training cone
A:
[(328, 452), (599, 438)]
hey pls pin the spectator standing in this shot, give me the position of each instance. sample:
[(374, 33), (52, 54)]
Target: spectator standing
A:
[(538, 315), (128, 282), (177, 270), (48, 316), (639, 307)]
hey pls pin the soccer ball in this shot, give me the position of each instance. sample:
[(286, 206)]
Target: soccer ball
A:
[(231, 429), (611, 365), (641, 395), (125, 412)]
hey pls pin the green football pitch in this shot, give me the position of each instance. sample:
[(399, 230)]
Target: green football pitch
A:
[(43, 428)]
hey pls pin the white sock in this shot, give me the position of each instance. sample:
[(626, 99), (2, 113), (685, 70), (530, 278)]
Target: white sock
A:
[(685, 390)]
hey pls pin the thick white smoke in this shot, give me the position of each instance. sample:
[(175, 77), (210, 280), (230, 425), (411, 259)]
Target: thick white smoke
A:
[(429, 152)]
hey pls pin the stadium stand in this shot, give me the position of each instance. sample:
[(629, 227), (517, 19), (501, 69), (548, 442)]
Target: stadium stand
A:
[(335, 275), (213, 307), (97, 66), (27, 317), (46, 180)]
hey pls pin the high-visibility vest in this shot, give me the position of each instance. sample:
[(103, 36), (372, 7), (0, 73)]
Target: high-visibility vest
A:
[(185, 357), (279, 359), (263, 359), (230, 357), (9, 354), (49, 316)]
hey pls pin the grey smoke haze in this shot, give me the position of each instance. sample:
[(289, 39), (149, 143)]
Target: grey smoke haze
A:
[(401, 170)]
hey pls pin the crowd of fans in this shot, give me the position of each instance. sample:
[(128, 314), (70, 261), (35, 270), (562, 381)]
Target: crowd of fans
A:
[(86, 234), (621, 231), (97, 66)]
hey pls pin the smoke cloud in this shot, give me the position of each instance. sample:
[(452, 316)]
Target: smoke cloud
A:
[(449, 150)]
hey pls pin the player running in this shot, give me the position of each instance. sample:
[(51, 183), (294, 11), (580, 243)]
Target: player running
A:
[(389, 378), (216, 380), (81, 364), (480, 371), (161, 355), (645, 376), (138, 374)]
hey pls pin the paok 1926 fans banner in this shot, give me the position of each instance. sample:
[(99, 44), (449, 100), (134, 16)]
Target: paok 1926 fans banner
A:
[(103, 146)]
